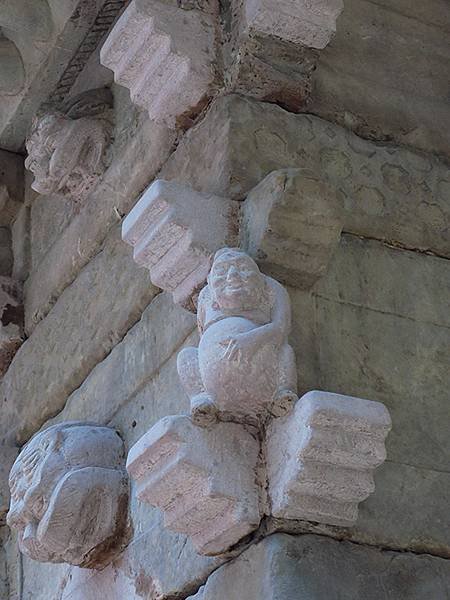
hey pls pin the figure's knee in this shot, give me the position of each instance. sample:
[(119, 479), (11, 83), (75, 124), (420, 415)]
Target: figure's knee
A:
[(186, 358)]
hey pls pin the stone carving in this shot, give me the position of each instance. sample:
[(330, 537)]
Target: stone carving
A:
[(291, 224), (69, 493), (243, 366), (66, 151), (172, 242), (244, 453), (11, 321), (321, 457), (301, 21), (163, 55), (204, 480)]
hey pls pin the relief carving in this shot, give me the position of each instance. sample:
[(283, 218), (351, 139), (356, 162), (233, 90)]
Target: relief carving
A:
[(66, 148), (69, 493), (243, 365)]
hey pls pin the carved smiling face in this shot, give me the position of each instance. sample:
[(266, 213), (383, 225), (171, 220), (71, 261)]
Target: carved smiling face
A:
[(67, 486), (235, 280)]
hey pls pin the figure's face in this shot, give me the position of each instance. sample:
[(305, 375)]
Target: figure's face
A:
[(236, 281), (32, 482)]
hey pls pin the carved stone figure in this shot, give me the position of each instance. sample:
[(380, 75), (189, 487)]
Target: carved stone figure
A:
[(244, 365), (66, 151), (69, 492)]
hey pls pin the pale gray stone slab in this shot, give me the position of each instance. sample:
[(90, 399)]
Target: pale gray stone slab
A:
[(88, 320), (283, 567), (119, 383), (397, 88)]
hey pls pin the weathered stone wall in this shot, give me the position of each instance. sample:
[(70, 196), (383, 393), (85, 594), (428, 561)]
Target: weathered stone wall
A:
[(102, 341)]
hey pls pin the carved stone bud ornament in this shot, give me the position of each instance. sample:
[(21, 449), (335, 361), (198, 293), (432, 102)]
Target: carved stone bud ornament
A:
[(69, 495), (66, 147)]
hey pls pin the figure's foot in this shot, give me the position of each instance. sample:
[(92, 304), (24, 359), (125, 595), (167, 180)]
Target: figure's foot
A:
[(203, 410), (283, 403)]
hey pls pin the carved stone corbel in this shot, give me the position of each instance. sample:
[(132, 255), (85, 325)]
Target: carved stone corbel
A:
[(69, 495), (315, 462), (174, 231), (66, 147)]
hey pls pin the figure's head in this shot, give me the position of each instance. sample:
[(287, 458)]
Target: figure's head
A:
[(235, 280), (67, 485)]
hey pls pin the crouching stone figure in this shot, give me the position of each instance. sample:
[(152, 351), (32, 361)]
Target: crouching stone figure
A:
[(244, 367)]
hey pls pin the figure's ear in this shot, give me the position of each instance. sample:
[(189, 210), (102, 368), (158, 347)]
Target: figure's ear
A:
[(83, 512)]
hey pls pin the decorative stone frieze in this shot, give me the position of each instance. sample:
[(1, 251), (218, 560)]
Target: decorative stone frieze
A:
[(321, 457), (66, 149), (163, 54), (243, 365), (69, 492), (304, 22), (204, 480), (174, 231), (291, 225), (11, 321)]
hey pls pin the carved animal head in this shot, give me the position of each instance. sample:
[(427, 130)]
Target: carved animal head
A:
[(68, 490), (235, 280), (65, 155)]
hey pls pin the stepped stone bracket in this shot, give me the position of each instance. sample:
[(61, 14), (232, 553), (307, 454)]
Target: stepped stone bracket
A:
[(11, 321), (291, 225), (69, 493), (164, 55), (321, 457), (204, 480), (174, 231), (66, 148), (306, 22), (244, 367)]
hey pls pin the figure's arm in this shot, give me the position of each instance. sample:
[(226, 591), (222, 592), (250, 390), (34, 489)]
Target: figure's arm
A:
[(280, 325)]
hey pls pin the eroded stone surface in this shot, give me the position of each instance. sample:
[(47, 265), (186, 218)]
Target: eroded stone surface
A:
[(308, 23), (174, 232), (11, 321), (320, 458), (308, 566), (291, 225), (206, 490), (93, 322), (181, 46), (244, 367), (69, 494), (66, 148), (387, 192)]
